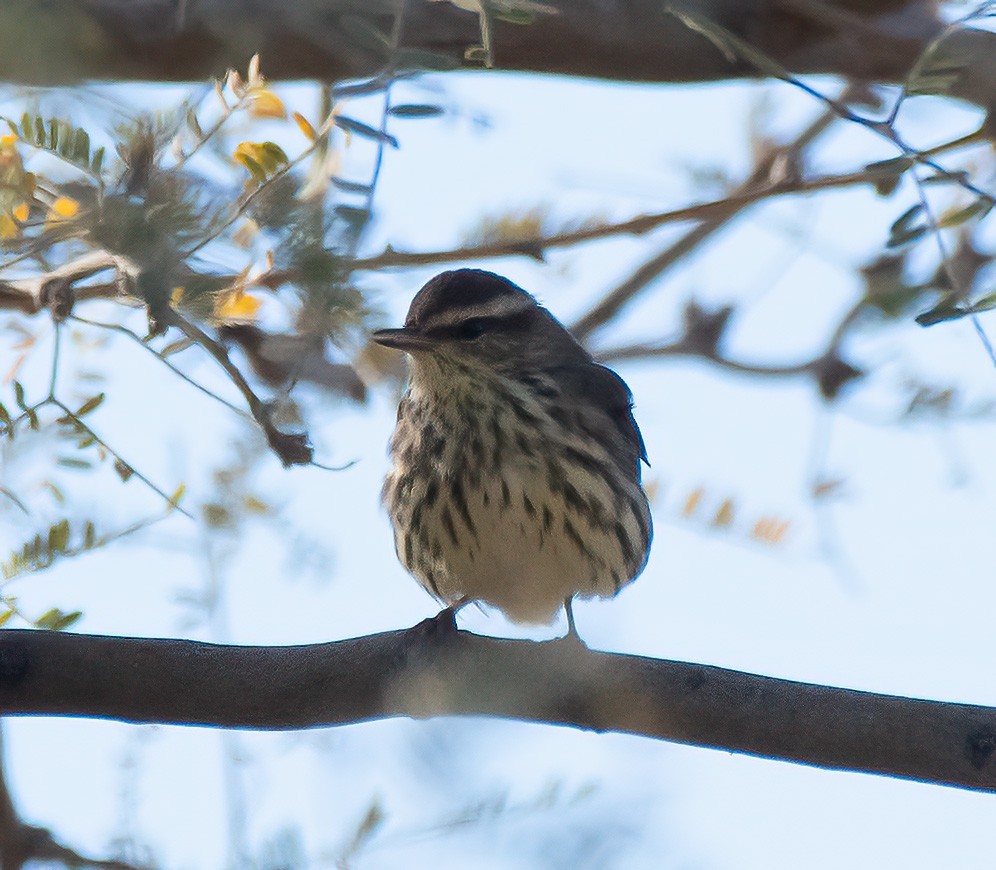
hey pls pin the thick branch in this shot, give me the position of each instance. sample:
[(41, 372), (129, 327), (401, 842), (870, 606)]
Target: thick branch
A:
[(432, 671), (68, 40)]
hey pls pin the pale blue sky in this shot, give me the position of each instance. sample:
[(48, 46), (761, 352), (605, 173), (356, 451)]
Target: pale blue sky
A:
[(913, 616)]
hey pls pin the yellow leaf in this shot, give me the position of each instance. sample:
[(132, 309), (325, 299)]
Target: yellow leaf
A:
[(22, 211), (176, 296), (254, 505), (237, 306), (8, 140), (305, 126), (8, 228), (262, 159), (692, 502), (64, 207), (724, 515), (266, 104), (176, 497)]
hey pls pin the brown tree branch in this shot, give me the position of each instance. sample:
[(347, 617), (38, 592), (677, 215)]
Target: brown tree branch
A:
[(536, 247), (44, 42), (772, 167), (432, 670)]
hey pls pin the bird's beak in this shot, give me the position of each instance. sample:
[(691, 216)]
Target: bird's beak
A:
[(403, 339)]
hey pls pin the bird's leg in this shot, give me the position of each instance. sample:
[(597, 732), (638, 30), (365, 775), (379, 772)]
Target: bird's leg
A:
[(443, 624), (572, 629)]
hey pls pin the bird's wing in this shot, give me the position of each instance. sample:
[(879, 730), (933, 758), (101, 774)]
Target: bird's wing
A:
[(597, 385)]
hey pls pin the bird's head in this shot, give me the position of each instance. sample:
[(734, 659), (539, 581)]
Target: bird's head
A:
[(478, 323)]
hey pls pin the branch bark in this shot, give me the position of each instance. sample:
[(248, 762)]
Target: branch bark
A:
[(432, 670), (65, 41)]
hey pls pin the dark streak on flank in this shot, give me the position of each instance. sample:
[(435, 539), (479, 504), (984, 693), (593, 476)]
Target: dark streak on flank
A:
[(588, 462), (572, 533), (477, 447), (525, 416), (506, 496), (496, 450), (460, 500), (625, 546), (641, 518), (528, 505), (522, 442), (573, 499), (547, 518), (447, 519), (431, 491)]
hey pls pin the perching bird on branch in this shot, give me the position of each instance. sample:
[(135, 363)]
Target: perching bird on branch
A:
[(516, 458)]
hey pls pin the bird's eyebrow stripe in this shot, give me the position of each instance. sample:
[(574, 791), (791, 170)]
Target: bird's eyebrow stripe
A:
[(497, 308)]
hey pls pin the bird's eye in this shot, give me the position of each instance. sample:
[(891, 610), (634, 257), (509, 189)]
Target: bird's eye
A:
[(473, 328)]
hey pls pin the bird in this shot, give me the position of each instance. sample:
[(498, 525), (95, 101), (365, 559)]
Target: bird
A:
[(515, 477)]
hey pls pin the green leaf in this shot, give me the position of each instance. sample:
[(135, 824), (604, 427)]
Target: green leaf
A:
[(58, 537), (55, 620), (90, 404), (255, 170), (81, 146), (365, 130), (27, 127), (986, 303), (89, 535), (40, 137), (979, 208), (273, 156), (413, 110), (906, 229), (53, 134), (123, 469), (941, 312), (957, 51), (5, 617), (73, 462), (5, 417), (97, 163), (19, 396), (885, 175)]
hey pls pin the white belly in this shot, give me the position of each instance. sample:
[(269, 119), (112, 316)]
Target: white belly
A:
[(519, 548)]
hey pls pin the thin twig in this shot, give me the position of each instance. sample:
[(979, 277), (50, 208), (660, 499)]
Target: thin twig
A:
[(534, 247), (83, 427), (759, 179), (123, 330)]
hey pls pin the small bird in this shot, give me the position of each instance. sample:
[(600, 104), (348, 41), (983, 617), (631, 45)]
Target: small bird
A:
[(516, 458)]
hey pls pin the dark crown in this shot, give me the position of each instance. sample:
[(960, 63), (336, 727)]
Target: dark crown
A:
[(467, 289)]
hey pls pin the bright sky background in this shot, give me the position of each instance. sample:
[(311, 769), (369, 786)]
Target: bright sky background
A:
[(901, 603)]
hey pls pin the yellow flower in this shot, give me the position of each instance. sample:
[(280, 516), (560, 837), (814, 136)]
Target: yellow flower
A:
[(237, 306)]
